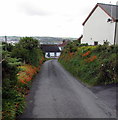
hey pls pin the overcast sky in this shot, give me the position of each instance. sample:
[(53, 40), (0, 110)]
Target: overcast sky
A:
[(58, 18)]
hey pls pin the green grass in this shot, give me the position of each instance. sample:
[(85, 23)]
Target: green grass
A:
[(98, 66)]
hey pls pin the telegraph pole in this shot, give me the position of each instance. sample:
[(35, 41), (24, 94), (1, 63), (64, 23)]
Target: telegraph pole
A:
[(6, 43), (6, 39)]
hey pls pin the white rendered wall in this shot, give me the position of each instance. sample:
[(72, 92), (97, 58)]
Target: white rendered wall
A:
[(58, 54), (52, 54), (60, 48), (117, 34), (98, 29)]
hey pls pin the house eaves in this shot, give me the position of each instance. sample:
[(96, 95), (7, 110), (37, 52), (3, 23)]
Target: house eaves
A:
[(107, 9), (90, 14)]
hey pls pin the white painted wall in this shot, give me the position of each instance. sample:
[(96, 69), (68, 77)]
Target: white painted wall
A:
[(117, 34), (60, 48), (98, 29), (58, 54), (52, 54)]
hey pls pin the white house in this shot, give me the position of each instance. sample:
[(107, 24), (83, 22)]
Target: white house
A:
[(63, 44), (51, 50), (101, 25)]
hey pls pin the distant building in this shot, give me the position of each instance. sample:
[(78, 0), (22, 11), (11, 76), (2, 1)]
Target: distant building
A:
[(63, 44), (101, 25), (79, 39), (51, 50)]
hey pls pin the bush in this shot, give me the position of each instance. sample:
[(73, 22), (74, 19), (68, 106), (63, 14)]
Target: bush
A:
[(7, 46), (9, 110), (94, 65), (14, 70), (28, 50)]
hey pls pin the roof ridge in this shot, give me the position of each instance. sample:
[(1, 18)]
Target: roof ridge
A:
[(107, 4), (104, 7)]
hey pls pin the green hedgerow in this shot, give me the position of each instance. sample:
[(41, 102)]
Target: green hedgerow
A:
[(93, 65)]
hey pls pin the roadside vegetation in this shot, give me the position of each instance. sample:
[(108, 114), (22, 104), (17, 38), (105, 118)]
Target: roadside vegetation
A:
[(93, 65), (20, 63)]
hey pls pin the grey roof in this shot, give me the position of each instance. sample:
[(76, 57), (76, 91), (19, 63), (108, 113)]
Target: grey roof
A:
[(50, 48), (111, 10)]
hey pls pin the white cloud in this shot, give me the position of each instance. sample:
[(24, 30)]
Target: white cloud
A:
[(31, 9), (45, 17)]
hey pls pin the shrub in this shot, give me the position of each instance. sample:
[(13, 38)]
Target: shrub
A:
[(92, 64), (7, 46), (14, 71), (28, 51)]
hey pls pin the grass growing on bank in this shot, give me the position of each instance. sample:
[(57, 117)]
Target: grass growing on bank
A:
[(93, 65)]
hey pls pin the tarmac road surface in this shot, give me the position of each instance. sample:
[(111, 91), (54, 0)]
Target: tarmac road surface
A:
[(57, 94)]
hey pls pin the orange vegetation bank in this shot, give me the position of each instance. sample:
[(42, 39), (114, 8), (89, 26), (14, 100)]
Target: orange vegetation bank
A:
[(27, 72)]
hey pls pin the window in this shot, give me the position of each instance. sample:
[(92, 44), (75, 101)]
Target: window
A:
[(106, 42), (95, 42)]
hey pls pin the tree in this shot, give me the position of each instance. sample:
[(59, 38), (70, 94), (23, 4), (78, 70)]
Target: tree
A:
[(28, 43), (28, 50), (7, 46)]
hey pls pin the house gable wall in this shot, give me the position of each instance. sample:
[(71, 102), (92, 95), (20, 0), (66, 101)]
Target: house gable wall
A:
[(98, 29), (116, 41)]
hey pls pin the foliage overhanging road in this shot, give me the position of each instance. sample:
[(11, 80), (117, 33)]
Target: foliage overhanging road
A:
[(56, 94)]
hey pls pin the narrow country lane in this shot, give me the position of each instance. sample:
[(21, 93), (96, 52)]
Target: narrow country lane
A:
[(57, 94)]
